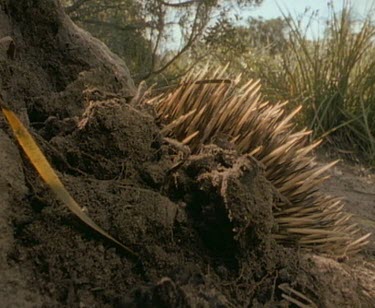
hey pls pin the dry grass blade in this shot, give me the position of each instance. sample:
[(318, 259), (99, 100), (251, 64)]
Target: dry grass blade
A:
[(299, 299)]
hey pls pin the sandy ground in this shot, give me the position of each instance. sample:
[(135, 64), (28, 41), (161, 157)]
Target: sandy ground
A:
[(355, 183)]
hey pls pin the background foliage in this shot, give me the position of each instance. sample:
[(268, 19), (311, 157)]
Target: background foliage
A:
[(332, 75), (151, 34)]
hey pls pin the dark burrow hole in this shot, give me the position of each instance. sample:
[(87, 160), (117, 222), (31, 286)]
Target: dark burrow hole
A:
[(210, 219)]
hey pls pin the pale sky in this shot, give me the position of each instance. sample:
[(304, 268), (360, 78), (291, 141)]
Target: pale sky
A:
[(269, 8)]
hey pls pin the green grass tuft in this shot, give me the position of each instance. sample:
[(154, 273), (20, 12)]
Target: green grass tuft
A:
[(333, 76)]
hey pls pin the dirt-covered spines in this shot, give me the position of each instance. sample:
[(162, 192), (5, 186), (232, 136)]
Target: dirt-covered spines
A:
[(208, 108)]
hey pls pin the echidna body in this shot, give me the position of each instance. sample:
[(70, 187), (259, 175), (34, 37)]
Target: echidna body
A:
[(199, 110)]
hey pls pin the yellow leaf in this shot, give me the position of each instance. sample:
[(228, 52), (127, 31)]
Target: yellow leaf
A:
[(47, 173)]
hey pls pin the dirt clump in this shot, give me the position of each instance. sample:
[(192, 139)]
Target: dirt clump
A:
[(214, 233), (112, 137)]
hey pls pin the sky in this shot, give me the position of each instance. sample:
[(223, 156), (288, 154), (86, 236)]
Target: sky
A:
[(269, 8), (275, 8)]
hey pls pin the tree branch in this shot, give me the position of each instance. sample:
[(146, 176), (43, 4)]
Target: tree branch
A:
[(193, 36), (153, 59), (130, 27), (181, 4)]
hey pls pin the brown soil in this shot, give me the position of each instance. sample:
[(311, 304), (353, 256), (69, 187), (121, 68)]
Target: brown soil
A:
[(201, 225), (355, 183)]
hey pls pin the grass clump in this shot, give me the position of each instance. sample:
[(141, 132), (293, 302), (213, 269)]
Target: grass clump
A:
[(333, 76)]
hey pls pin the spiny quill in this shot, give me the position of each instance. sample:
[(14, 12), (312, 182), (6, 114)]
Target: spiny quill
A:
[(196, 112)]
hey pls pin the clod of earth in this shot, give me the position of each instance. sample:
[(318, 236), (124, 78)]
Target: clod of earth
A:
[(45, 170)]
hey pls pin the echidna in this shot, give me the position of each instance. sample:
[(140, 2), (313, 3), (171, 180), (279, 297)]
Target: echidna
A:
[(205, 106)]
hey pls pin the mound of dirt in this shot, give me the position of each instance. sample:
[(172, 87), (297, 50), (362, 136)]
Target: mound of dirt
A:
[(201, 225)]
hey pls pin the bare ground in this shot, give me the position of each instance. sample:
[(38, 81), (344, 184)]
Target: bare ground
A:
[(355, 183)]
